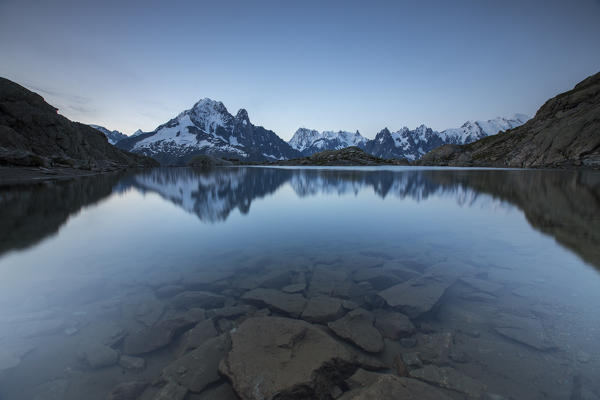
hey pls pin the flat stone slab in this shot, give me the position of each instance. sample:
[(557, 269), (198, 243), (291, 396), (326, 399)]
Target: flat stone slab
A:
[(357, 327), (127, 391), (274, 356), (196, 336), (292, 304), (97, 355), (132, 363), (198, 299), (393, 325), (525, 330), (156, 337), (416, 296), (482, 285), (450, 378), (323, 309), (294, 288), (199, 368), (391, 387), (171, 391)]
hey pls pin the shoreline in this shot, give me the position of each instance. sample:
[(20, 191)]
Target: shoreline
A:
[(10, 176)]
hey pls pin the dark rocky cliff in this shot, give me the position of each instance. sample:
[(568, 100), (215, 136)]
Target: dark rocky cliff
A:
[(564, 133), (32, 133)]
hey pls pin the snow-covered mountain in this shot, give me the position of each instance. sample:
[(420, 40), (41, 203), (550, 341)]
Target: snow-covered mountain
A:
[(310, 141), (208, 128), (413, 144), (137, 133), (112, 136), (405, 143)]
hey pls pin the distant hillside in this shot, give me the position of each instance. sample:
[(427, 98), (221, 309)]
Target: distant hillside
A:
[(112, 136), (32, 133), (565, 132), (347, 156)]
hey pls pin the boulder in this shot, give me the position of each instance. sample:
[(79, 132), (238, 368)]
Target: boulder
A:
[(171, 391), (525, 330), (127, 391), (357, 327), (416, 296), (390, 387), (156, 337), (196, 336), (322, 309), (275, 357), (132, 363), (393, 325), (200, 299), (199, 368), (450, 378), (97, 355), (292, 304)]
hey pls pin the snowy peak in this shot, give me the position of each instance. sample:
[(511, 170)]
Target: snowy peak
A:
[(112, 136), (208, 128), (137, 133), (471, 131), (311, 141)]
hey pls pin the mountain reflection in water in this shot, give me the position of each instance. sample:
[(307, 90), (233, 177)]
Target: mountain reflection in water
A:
[(563, 204)]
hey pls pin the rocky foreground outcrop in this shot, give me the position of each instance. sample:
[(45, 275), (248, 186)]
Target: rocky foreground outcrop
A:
[(347, 156), (564, 133), (32, 133)]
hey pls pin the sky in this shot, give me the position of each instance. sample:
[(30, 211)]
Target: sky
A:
[(325, 65)]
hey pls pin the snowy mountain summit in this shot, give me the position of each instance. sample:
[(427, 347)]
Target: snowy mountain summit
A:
[(208, 128), (310, 141)]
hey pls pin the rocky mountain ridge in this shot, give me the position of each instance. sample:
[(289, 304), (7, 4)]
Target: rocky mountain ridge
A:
[(565, 132), (32, 133)]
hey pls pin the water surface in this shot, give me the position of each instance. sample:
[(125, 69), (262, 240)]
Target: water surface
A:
[(88, 260)]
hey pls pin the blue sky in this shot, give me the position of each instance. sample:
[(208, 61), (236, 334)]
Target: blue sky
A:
[(323, 65)]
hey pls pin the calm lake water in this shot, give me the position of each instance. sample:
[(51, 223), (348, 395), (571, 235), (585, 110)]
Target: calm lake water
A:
[(497, 270)]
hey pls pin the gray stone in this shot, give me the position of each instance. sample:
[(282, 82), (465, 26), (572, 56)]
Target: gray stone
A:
[(330, 282), (412, 360), (12, 353), (196, 336), (97, 355), (435, 348), (199, 368), (199, 299), (53, 390), (156, 337), (30, 329), (292, 304), (273, 356), (450, 378), (222, 392), (171, 391), (132, 363), (323, 309), (393, 325), (357, 326), (149, 312), (525, 330), (232, 311), (294, 288), (416, 296), (127, 391), (390, 387)]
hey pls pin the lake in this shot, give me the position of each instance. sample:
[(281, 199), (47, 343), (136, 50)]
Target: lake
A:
[(482, 283)]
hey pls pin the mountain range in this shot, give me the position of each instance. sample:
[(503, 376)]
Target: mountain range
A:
[(209, 129)]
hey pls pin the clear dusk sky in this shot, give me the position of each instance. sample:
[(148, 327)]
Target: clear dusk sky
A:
[(324, 65)]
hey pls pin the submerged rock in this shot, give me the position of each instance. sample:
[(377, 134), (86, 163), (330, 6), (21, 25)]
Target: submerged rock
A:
[(274, 357), (159, 336), (199, 368), (357, 326), (393, 325), (196, 336), (525, 330), (132, 363), (127, 391), (200, 299), (292, 304), (416, 296), (322, 309), (171, 391), (97, 355), (450, 378), (390, 387)]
